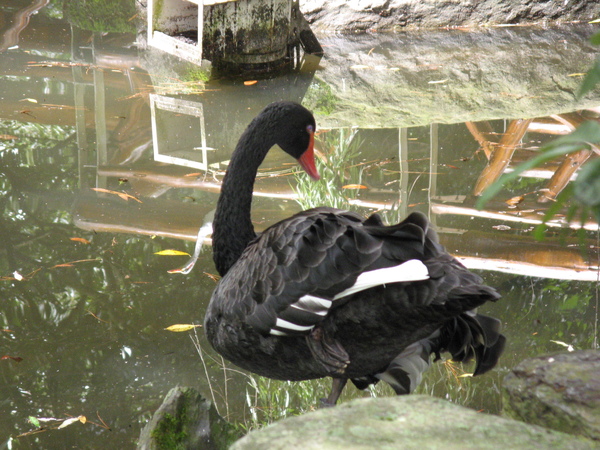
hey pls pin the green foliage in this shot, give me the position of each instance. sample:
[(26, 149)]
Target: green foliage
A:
[(320, 98), (339, 147), (102, 15), (592, 78), (586, 187), (273, 400)]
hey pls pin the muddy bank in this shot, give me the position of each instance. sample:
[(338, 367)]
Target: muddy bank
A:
[(381, 15)]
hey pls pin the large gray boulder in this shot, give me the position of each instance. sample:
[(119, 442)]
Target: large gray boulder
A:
[(388, 80), (410, 422), (392, 15), (559, 391)]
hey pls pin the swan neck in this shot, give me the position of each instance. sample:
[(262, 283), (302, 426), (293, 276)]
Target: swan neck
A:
[(233, 229)]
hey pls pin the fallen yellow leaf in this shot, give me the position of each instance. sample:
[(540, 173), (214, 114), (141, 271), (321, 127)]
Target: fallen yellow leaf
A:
[(179, 327), (171, 253)]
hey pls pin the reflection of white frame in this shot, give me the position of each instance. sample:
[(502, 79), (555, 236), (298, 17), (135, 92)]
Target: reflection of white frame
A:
[(183, 107), (174, 13)]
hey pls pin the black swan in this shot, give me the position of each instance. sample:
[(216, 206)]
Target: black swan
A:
[(327, 293)]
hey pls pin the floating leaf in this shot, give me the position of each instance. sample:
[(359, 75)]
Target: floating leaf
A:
[(179, 327), (30, 100), (515, 200), (14, 358), (68, 422), (34, 421), (82, 240), (123, 195), (569, 347), (171, 252), (215, 278), (354, 186), (250, 82)]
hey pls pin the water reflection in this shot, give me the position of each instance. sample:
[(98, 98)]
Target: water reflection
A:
[(109, 155)]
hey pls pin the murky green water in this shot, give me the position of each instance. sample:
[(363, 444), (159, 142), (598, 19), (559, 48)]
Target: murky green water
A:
[(108, 155)]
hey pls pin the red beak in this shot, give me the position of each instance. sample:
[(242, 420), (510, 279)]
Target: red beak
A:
[(307, 160)]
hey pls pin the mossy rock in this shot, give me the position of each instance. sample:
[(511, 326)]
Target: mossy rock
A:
[(410, 422), (560, 391), (186, 420)]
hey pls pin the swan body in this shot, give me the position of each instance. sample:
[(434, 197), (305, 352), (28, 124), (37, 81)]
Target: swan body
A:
[(327, 292)]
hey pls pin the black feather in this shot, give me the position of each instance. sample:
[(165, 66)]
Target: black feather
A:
[(293, 279)]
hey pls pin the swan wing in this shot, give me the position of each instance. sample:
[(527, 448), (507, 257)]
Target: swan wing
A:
[(289, 279)]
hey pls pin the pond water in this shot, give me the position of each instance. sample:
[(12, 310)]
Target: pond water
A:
[(110, 153)]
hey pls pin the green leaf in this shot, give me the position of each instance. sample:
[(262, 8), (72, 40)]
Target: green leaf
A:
[(588, 132), (34, 421), (587, 184), (591, 79), (595, 39), (559, 202)]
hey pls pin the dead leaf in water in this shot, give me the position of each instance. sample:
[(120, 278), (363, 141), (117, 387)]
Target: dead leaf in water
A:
[(78, 239), (14, 358), (354, 186), (123, 195), (250, 82), (179, 327), (71, 421), (515, 200), (171, 252)]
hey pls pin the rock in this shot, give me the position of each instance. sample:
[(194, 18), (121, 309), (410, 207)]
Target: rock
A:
[(560, 391), (186, 420), (386, 15), (390, 80), (409, 422)]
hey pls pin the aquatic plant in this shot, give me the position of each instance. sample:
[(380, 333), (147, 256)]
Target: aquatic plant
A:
[(340, 179)]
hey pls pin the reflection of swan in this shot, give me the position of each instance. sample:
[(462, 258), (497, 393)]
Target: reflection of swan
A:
[(204, 231), (328, 293)]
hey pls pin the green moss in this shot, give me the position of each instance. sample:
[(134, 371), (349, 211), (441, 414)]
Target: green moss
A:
[(196, 73), (102, 15), (170, 433), (158, 6)]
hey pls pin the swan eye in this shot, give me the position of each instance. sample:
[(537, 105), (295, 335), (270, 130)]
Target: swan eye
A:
[(310, 129)]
